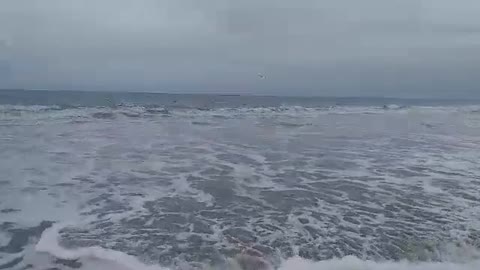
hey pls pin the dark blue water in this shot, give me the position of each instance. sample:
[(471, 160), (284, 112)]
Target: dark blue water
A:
[(111, 99)]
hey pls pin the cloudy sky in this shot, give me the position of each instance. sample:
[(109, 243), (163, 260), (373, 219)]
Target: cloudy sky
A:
[(402, 48)]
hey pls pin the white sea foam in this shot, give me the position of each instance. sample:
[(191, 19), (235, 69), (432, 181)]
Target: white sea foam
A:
[(91, 257), (27, 108), (353, 263), (96, 258), (40, 112), (330, 172)]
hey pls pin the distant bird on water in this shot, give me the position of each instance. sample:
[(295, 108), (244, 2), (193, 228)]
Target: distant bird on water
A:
[(261, 76)]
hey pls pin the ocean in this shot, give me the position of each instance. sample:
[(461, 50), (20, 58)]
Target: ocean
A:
[(92, 180)]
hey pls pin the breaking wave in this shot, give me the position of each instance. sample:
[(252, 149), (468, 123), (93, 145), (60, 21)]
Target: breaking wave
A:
[(40, 112), (93, 258)]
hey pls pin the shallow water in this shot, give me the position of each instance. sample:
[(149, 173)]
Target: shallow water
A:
[(304, 184)]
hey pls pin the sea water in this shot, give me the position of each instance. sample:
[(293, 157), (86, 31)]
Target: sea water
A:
[(155, 181)]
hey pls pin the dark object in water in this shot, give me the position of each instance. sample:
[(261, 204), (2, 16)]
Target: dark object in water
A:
[(157, 110), (103, 115), (249, 262), (75, 264)]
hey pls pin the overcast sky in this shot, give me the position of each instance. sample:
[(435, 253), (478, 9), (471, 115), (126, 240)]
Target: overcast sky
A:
[(400, 48)]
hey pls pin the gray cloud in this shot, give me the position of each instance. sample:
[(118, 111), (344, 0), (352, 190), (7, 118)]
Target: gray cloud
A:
[(308, 47)]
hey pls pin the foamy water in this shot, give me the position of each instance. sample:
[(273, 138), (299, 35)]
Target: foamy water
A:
[(303, 187)]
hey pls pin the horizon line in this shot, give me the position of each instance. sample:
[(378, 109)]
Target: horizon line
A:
[(242, 94)]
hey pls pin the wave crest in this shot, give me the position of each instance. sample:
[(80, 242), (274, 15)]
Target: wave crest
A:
[(93, 258)]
